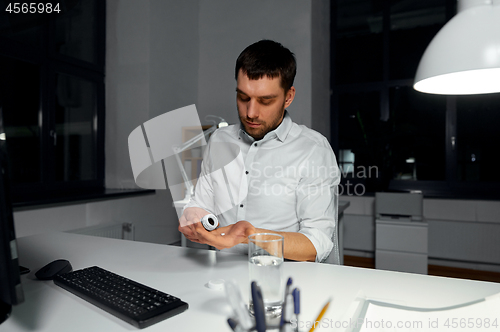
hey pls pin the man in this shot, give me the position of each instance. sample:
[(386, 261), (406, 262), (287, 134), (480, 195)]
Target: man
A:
[(284, 176)]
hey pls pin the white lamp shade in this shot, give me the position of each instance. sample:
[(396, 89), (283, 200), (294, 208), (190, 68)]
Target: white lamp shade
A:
[(464, 57)]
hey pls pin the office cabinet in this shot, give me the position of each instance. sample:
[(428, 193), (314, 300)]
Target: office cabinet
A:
[(401, 233), (401, 246)]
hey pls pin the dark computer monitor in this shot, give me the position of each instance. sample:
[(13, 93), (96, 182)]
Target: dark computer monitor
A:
[(11, 292)]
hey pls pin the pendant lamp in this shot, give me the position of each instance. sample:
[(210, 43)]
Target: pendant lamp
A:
[(464, 56)]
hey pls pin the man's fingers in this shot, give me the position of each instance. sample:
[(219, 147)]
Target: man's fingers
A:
[(194, 231), (183, 221), (189, 230)]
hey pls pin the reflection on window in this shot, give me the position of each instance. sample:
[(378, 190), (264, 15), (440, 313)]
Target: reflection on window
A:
[(26, 29), (76, 31), (346, 163), (359, 17), (413, 25), (20, 104), (359, 32), (363, 138), (478, 120), (417, 142), (75, 133)]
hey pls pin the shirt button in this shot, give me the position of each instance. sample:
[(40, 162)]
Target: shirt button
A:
[(241, 205), (255, 144), (246, 172)]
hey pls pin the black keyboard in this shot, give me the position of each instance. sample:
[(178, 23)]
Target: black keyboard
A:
[(131, 301)]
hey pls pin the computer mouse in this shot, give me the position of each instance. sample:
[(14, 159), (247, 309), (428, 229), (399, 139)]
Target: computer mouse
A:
[(49, 271)]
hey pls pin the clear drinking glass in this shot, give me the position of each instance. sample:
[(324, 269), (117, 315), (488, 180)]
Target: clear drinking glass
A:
[(265, 264)]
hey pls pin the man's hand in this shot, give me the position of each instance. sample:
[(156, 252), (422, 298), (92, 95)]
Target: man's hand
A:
[(229, 236), (189, 223), (220, 238), (297, 246)]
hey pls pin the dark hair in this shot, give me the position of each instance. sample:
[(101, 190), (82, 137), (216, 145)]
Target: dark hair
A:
[(267, 58)]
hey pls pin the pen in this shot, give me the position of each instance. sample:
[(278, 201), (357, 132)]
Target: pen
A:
[(258, 308), (287, 327), (296, 306), (320, 316), (283, 307), (235, 326), (288, 284), (234, 296), (232, 323)]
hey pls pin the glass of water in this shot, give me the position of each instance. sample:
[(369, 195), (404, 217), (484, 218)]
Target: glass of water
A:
[(265, 264)]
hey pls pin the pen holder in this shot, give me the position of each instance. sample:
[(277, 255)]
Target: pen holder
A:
[(246, 320)]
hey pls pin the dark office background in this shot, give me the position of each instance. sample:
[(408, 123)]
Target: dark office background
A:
[(441, 145), (52, 97), (387, 136)]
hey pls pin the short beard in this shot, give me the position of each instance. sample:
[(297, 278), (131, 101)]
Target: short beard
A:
[(260, 135)]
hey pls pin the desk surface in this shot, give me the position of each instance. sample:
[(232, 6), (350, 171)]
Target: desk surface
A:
[(184, 272)]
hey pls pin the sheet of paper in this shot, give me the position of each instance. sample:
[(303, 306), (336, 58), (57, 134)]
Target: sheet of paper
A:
[(482, 315)]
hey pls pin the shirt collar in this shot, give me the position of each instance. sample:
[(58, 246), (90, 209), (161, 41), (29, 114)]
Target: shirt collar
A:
[(280, 133), (284, 127)]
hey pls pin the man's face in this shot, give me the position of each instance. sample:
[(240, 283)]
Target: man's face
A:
[(261, 104)]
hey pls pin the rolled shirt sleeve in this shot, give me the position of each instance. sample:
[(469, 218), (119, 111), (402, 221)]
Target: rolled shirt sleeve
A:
[(317, 201)]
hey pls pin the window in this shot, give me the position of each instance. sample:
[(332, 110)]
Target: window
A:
[(20, 96), (417, 135), (52, 99), (477, 137), (441, 145)]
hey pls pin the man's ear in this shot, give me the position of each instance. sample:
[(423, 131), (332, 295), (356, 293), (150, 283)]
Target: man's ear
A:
[(290, 94)]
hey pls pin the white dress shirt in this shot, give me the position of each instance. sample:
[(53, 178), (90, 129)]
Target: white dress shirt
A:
[(285, 182)]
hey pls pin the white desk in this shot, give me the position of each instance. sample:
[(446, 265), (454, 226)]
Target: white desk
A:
[(185, 271)]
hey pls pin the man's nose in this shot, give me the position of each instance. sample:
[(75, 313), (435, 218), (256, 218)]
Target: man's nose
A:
[(252, 110)]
